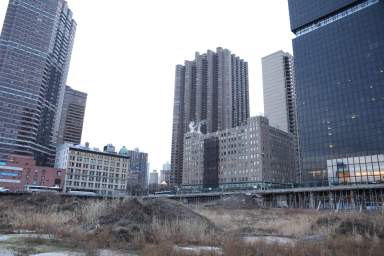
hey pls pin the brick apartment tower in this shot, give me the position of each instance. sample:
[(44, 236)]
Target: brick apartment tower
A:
[(211, 91)]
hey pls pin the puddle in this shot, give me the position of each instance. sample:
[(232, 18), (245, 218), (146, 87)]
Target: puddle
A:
[(4, 238), (198, 249), (59, 254), (270, 239), (114, 253), (99, 253), (5, 252), (314, 238), (33, 244), (44, 245)]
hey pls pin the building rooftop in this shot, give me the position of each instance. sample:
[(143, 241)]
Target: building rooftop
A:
[(95, 150)]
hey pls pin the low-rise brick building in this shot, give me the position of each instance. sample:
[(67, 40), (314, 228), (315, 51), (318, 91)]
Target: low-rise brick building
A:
[(19, 172)]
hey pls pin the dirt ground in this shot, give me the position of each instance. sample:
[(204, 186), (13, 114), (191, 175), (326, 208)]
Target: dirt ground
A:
[(156, 226), (244, 217), (281, 222)]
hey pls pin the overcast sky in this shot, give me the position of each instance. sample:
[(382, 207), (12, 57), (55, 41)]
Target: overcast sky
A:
[(125, 54)]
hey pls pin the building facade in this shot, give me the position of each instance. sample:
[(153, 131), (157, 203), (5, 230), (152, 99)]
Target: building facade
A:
[(19, 172), (138, 166), (72, 116), (339, 77), (246, 156), (90, 170), (280, 97), (165, 177), (211, 92), (356, 170), (279, 91), (35, 50), (154, 178), (165, 174)]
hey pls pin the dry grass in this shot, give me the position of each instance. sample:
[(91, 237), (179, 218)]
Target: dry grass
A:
[(91, 212), (344, 233), (81, 225), (183, 232), (282, 222), (69, 225), (336, 247), (47, 221)]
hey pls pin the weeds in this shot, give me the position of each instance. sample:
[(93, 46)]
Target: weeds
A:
[(182, 232), (92, 225)]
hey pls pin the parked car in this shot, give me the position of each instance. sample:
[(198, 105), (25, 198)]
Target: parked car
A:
[(4, 190)]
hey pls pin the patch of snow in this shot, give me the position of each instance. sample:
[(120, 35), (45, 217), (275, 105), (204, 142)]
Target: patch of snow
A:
[(270, 239), (5, 252), (4, 238), (199, 249), (113, 253), (59, 254)]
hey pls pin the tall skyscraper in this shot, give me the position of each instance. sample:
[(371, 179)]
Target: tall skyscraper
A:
[(279, 91), (35, 49), (211, 92), (72, 116), (138, 164), (339, 76)]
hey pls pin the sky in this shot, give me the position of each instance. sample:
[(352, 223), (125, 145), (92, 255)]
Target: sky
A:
[(125, 53)]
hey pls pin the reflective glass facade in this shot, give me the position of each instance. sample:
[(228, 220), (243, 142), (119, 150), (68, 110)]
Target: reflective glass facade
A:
[(339, 72), (35, 49), (356, 170), (304, 12)]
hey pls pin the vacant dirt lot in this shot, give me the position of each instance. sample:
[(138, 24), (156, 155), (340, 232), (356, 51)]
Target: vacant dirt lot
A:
[(162, 227)]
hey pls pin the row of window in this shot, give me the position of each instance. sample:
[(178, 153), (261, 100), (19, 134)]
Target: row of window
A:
[(97, 179), (94, 185), (97, 167)]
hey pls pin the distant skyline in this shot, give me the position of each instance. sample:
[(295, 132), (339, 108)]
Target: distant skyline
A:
[(125, 55)]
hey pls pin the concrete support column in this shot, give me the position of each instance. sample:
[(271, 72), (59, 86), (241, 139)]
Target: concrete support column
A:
[(352, 200), (312, 200), (331, 200)]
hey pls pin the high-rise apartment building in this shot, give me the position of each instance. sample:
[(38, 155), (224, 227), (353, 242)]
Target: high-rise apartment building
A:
[(339, 78), (279, 91), (35, 49), (72, 116), (254, 155), (211, 93)]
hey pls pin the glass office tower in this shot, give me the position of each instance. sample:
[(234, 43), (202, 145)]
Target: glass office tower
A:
[(35, 49), (339, 72)]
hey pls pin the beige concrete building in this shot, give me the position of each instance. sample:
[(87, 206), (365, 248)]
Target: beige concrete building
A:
[(245, 156), (87, 169)]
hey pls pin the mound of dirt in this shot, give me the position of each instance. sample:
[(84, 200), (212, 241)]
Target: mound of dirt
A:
[(118, 222), (132, 218), (240, 201)]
